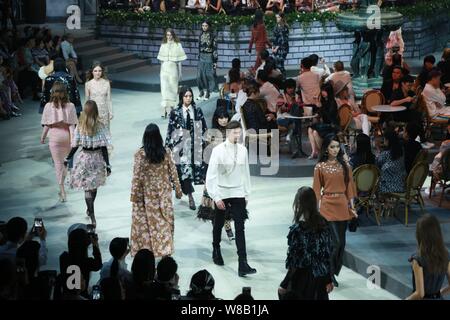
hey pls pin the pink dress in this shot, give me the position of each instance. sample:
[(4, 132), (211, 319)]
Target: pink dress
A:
[(61, 122)]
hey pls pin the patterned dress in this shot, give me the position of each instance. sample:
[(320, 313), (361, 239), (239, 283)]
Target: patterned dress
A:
[(207, 58), (152, 224), (100, 92), (393, 173), (69, 82), (281, 40)]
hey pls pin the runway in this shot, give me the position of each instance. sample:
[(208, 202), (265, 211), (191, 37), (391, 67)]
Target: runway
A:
[(28, 189)]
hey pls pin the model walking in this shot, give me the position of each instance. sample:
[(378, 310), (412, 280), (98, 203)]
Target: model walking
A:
[(170, 54), (280, 43), (185, 133), (98, 88), (58, 120), (92, 162), (228, 183), (207, 62), (154, 178), (259, 37), (334, 188)]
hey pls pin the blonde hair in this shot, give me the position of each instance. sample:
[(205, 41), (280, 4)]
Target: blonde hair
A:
[(59, 96), (89, 123)]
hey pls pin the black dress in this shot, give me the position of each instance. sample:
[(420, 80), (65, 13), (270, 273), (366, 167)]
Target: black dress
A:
[(308, 262), (330, 122)]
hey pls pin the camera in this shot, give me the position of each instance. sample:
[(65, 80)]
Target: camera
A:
[(247, 291), (96, 293), (37, 225)]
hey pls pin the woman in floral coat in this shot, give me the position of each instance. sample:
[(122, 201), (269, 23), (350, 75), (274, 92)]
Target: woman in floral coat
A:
[(280, 42), (154, 177), (186, 139)]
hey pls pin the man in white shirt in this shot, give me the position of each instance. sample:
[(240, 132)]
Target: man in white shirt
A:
[(228, 184), (322, 72), (309, 84), (268, 91), (16, 230), (340, 74), (435, 98)]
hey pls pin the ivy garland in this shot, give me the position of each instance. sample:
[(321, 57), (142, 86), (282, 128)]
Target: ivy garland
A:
[(423, 8)]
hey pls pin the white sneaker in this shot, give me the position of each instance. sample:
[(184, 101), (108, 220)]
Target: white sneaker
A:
[(427, 145)]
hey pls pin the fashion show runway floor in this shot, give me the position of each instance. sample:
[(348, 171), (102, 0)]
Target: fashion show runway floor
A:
[(28, 189)]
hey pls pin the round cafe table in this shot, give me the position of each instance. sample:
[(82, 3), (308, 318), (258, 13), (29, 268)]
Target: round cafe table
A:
[(388, 108)]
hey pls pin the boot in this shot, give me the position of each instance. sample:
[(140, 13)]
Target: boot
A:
[(217, 256), (244, 268)]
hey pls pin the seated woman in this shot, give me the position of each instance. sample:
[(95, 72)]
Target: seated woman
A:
[(234, 81), (289, 104), (275, 75), (391, 164), (360, 120), (303, 5), (254, 111), (196, 6), (214, 6), (363, 154), (329, 120), (274, 6)]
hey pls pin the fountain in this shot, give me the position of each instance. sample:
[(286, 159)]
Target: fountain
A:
[(369, 23)]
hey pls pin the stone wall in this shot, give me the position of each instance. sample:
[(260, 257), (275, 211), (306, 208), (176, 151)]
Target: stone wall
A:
[(421, 37)]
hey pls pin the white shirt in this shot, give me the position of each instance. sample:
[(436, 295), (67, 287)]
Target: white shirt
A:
[(9, 250), (322, 72), (433, 96), (228, 174), (309, 84), (186, 110), (191, 3), (270, 94), (122, 272)]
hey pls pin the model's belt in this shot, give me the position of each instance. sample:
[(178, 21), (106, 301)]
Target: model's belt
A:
[(333, 194), (92, 149)]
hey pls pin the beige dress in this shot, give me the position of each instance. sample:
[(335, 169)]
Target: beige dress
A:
[(100, 92), (152, 224)]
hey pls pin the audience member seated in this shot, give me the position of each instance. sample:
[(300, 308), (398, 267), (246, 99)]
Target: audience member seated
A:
[(436, 165), (172, 6), (303, 5), (406, 97), (60, 74), (363, 154), (112, 289), (234, 81), (201, 287), (214, 7), (143, 274), (235, 65), (340, 74), (411, 146), (288, 103), (116, 266), (232, 7), (9, 94), (38, 286), (27, 76), (196, 6), (422, 78), (392, 165), (77, 254), (71, 58), (391, 84), (360, 120), (268, 91), (264, 56), (274, 6), (165, 286), (275, 75), (329, 121), (435, 98), (322, 72), (392, 62), (308, 83), (444, 66), (254, 114)]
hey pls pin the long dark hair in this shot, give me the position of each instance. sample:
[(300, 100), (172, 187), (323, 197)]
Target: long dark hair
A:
[(259, 18), (328, 111), (305, 205), (118, 247), (363, 148), (394, 146), (340, 157), (78, 244), (181, 94), (431, 246), (152, 143), (143, 267), (219, 113)]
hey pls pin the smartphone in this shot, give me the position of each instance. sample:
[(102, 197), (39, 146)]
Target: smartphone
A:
[(38, 224), (96, 293), (247, 290), (90, 229)]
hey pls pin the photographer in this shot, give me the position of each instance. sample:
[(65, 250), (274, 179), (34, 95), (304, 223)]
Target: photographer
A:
[(16, 234), (79, 241)]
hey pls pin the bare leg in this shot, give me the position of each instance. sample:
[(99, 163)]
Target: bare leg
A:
[(312, 141)]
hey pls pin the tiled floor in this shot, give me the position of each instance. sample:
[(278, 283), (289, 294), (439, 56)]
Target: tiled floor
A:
[(28, 189)]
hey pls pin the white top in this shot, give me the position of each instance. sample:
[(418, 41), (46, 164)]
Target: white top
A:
[(228, 174), (322, 72), (122, 272), (67, 50), (309, 83), (9, 250), (270, 94), (191, 3), (186, 110), (171, 51), (435, 100)]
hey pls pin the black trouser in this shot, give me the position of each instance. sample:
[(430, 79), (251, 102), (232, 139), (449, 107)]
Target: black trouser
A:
[(238, 212), (186, 186), (338, 230)]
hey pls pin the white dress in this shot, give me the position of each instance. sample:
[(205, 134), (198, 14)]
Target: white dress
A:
[(100, 92), (170, 54)]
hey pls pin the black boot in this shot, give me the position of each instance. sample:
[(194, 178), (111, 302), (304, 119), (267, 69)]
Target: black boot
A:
[(217, 256), (244, 268)]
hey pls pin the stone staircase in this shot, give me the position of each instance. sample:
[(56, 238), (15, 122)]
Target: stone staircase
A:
[(116, 61)]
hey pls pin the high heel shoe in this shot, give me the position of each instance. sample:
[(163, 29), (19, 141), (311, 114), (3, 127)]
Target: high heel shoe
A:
[(62, 196)]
